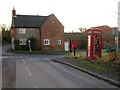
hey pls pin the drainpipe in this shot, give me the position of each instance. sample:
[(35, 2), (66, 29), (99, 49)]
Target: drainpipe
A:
[(40, 38), (70, 45)]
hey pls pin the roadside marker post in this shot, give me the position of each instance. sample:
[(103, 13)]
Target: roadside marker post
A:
[(29, 45)]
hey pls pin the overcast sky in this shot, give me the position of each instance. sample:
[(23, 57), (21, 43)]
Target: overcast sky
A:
[(71, 13)]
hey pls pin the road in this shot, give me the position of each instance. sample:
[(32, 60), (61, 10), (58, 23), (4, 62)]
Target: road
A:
[(39, 71)]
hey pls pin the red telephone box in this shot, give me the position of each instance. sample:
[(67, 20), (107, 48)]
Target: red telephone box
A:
[(94, 44)]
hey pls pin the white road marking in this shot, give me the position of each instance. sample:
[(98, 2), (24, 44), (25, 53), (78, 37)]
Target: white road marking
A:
[(23, 61), (26, 67), (28, 71), (10, 57), (30, 74)]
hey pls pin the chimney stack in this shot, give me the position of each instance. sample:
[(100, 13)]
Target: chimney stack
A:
[(13, 12)]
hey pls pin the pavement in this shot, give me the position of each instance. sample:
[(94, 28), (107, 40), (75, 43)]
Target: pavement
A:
[(8, 68), (8, 72), (66, 62)]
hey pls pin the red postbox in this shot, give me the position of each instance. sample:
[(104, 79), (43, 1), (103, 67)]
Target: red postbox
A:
[(94, 44)]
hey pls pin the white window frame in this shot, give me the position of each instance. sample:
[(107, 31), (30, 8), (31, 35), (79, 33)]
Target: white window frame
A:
[(22, 30), (46, 42), (59, 42), (22, 41)]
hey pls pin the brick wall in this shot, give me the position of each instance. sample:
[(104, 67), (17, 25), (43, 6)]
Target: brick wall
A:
[(53, 30), (29, 33), (13, 33)]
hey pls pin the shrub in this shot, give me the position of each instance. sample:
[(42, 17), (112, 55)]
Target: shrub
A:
[(16, 44), (20, 47)]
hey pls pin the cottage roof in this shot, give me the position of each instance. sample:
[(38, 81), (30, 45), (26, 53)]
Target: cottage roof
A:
[(28, 21)]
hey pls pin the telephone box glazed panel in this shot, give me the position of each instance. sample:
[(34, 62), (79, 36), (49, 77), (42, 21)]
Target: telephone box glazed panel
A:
[(94, 44)]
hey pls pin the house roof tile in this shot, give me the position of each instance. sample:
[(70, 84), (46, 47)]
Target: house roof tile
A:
[(28, 21)]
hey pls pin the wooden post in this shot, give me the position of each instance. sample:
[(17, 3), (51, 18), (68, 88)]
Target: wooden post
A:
[(74, 51)]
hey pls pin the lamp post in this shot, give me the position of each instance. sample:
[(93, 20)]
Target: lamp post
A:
[(29, 45)]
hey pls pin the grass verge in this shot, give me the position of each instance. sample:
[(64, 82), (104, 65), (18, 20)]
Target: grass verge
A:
[(102, 66)]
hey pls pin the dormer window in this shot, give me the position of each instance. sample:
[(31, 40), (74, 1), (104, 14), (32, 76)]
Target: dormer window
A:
[(22, 30)]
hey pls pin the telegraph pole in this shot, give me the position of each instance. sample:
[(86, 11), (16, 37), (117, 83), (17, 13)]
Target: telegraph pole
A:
[(116, 45), (116, 39), (116, 42)]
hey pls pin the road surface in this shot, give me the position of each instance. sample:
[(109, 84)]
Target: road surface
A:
[(38, 71)]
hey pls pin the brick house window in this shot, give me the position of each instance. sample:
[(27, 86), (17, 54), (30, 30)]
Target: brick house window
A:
[(46, 42), (22, 41), (59, 42), (22, 30)]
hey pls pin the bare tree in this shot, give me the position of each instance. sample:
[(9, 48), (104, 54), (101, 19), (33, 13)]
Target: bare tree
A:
[(82, 30)]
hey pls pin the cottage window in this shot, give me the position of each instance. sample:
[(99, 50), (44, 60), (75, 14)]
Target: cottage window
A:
[(22, 30), (22, 41), (46, 42), (59, 42)]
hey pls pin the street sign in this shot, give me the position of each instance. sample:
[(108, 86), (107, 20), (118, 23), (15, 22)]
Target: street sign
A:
[(114, 31)]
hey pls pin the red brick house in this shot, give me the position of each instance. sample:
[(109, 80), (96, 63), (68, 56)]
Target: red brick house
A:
[(47, 30)]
